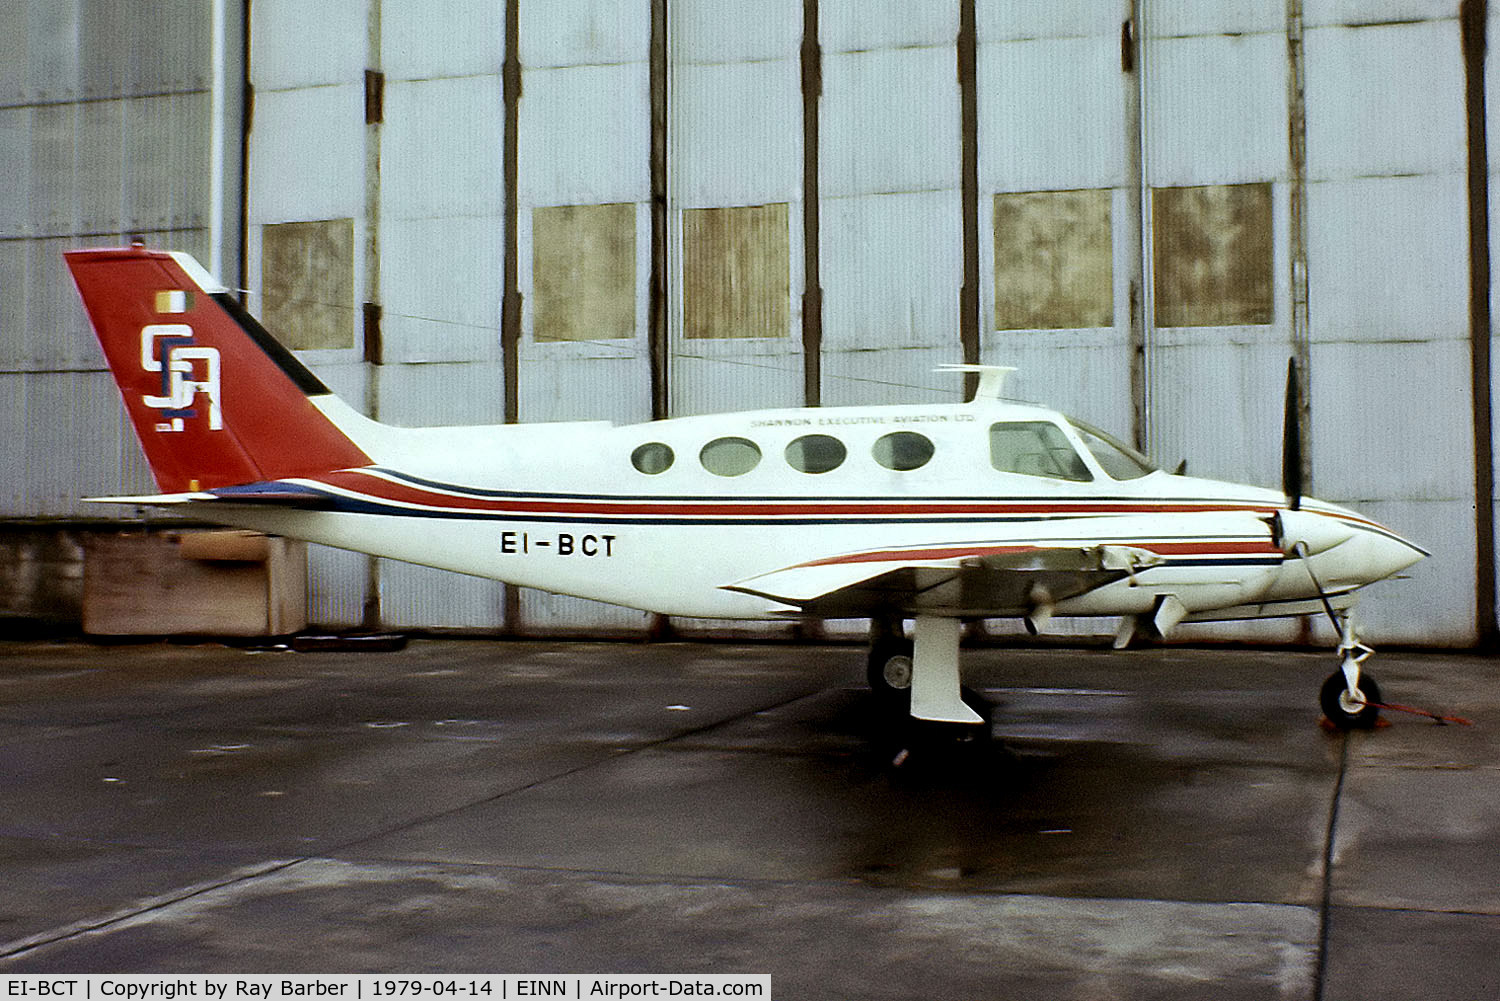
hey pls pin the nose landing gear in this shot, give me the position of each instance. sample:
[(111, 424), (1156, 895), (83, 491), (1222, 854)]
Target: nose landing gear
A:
[(1350, 698)]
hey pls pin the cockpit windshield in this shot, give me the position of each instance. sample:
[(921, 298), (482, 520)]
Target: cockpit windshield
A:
[(1119, 460)]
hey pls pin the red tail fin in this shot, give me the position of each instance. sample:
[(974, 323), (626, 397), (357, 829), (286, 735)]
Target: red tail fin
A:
[(215, 401)]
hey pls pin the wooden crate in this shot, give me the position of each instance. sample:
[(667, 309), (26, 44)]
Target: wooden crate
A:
[(208, 583)]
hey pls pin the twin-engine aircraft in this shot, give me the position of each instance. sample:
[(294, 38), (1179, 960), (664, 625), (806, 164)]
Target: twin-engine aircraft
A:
[(932, 513)]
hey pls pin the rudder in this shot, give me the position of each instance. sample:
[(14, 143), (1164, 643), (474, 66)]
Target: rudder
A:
[(215, 400)]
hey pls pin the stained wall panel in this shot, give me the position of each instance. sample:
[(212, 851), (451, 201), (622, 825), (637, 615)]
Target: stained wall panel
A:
[(735, 272), (584, 272), (597, 378), (1054, 260), (1213, 256), (307, 283)]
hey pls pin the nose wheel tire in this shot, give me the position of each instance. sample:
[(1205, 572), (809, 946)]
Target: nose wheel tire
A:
[(890, 670), (1350, 710)]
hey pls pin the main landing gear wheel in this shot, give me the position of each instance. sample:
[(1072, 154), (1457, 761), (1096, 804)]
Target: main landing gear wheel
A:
[(1357, 710), (890, 670)]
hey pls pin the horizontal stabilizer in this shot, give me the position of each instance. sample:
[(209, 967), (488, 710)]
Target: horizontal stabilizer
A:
[(274, 494), (151, 500)]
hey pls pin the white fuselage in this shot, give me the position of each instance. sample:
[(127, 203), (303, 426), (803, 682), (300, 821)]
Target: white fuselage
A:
[(564, 508)]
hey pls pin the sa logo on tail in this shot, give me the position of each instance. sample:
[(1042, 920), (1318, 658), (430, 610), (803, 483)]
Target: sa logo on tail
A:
[(169, 349)]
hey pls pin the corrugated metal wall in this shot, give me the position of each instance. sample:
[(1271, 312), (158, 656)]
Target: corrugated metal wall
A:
[(105, 120), (583, 185), (1390, 379), (734, 142), (713, 204), (891, 245)]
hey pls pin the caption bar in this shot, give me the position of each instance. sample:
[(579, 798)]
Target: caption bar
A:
[(363, 987)]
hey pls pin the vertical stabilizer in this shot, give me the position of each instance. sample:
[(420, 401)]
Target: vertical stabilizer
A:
[(215, 400)]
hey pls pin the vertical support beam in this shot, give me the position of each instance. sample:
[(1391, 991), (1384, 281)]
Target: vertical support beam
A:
[(657, 310), (812, 294), (968, 103), (228, 49), (1472, 15), (246, 122), (510, 302), (1137, 221), (374, 123), (1296, 86), (374, 116)]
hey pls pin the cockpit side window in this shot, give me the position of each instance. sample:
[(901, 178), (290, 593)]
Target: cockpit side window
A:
[(1120, 461), (1036, 448)]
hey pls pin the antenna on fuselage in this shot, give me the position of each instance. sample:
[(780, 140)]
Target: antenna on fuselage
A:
[(991, 378)]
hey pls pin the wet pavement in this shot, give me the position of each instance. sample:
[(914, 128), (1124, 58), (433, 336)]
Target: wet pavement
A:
[(1155, 823)]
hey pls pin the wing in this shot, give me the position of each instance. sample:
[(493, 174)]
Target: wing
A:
[(999, 580)]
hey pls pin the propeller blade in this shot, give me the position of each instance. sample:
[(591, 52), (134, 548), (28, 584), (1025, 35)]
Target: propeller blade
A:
[(1291, 439)]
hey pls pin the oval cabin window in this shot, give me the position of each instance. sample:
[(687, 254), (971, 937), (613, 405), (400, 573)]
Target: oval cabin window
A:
[(903, 450), (652, 458), (816, 453), (730, 456)]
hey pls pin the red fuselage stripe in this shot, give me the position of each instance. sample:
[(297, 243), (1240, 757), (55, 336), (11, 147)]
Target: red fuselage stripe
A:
[(379, 488)]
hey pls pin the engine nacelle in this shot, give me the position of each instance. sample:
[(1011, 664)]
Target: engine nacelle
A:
[(1319, 533)]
